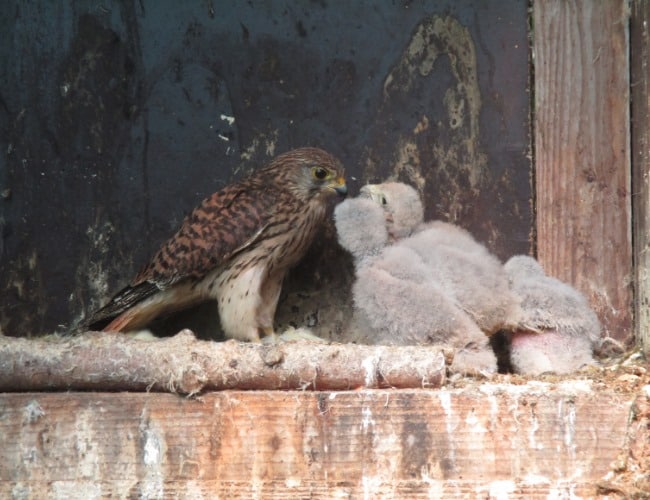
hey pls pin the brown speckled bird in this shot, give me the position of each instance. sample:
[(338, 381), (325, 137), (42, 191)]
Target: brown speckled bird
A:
[(235, 248)]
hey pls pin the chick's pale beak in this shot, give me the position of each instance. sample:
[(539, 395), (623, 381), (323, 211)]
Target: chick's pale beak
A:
[(339, 186), (371, 191)]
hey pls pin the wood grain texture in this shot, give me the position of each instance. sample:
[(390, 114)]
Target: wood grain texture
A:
[(582, 152), (640, 88), (182, 364), (487, 440)]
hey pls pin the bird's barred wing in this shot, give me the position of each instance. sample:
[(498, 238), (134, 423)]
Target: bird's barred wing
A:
[(222, 226)]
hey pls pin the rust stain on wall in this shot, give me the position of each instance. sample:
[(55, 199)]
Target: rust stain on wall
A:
[(443, 159)]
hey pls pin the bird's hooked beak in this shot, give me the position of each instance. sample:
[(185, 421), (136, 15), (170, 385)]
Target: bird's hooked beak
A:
[(339, 186)]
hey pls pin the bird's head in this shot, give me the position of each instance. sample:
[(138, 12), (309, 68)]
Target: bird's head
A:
[(401, 204), (310, 174)]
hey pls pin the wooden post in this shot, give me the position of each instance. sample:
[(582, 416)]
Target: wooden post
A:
[(640, 88), (582, 152)]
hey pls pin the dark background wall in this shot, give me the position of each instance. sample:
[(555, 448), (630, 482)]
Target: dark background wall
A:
[(116, 118)]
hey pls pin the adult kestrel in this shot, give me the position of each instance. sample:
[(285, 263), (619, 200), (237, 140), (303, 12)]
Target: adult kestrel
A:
[(235, 248)]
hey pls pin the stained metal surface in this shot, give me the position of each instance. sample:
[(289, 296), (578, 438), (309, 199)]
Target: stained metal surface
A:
[(117, 119)]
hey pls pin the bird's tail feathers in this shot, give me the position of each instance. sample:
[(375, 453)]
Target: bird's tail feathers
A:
[(126, 321)]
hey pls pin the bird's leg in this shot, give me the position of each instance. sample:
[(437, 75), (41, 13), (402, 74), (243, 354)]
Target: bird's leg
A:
[(267, 334)]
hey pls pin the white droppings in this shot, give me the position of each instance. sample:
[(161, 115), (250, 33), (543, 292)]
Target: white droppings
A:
[(538, 388), (72, 490), (575, 386), (371, 485), (494, 411), (501, 490), (33, 412), (151, 454), (370, 366), (535, 480), (436, 486), (445, 403), (568, 418), (21, 491), (229, 119), (410, 440), (88, 459), (367, 418), (292, 482), (474, 423), (193, 489), (152, 457), (340, 493), (532, 431)]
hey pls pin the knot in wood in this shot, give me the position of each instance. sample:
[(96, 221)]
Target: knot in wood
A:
[(273, 356)]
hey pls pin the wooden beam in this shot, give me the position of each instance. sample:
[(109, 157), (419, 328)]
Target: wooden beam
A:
[(183, 364), (640, 88), (488, 440), (582, 152)]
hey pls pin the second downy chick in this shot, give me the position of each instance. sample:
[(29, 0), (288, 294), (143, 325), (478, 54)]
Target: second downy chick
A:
[(558, 330)]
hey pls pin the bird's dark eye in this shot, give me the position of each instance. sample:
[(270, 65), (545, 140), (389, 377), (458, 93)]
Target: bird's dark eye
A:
[(319, 173), (383, 200)]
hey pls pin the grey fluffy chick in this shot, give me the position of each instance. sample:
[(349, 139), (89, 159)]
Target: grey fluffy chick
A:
[(361, 230), (469, 273), (397, 296), (401, 205), (472, 276), (397, 301), (559, 330)]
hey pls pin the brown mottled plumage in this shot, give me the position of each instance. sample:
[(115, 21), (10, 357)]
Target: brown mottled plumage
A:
[(235, 247)]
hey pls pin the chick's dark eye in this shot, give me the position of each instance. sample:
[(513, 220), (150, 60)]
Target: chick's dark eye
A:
[(320, 173)]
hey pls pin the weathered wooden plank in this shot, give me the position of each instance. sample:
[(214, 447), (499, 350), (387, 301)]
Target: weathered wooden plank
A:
[(582, 152), (486, 440), (640, 88)]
